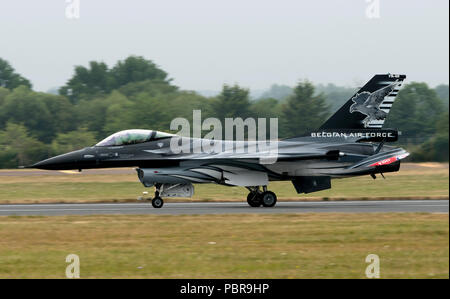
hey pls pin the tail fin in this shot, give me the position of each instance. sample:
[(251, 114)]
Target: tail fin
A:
[(369, 107)]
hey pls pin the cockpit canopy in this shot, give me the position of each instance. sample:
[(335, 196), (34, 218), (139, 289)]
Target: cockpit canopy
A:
[(132, 137)]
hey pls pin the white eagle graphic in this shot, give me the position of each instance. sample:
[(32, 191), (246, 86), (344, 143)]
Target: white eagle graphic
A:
[(368, 103)]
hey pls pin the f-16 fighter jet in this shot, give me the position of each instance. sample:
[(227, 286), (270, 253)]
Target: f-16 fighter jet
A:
[(350, 143)]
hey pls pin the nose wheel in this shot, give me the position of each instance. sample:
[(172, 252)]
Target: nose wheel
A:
[(157, 201), (257, 198)]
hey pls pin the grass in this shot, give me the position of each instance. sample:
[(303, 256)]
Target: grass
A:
[(413, 181), (410, 245)]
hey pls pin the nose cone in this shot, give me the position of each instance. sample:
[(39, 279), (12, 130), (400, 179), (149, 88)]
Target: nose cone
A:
[(61, 162)]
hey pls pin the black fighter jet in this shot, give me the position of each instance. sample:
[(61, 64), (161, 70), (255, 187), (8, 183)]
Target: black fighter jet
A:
[(350, 143)]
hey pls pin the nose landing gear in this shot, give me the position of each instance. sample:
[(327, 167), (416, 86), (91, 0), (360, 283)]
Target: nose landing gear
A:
[(257, 198), (157, 201)]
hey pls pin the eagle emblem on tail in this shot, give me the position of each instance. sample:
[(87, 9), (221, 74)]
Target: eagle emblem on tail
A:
[(369, 103)]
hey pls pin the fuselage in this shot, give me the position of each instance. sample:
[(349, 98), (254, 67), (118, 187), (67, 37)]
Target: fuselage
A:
[(282, 160)]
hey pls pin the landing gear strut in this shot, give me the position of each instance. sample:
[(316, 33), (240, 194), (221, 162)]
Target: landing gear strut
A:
[(157, 201), (256, 197)]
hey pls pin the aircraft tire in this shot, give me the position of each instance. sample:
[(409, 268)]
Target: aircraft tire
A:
[(269, 199), (157, 202), (253, 201)]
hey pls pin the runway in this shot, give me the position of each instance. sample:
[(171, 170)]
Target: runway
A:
[(431, 206)]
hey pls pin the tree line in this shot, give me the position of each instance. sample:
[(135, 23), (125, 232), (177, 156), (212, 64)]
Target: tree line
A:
[(135, 93)]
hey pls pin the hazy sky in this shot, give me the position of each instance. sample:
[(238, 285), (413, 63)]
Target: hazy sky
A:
[(203, 44)]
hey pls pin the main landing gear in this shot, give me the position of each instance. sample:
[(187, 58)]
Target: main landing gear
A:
[(256, 197), (157, 201)]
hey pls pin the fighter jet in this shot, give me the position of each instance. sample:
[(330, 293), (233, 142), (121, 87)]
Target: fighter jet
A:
[(350, 143)]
